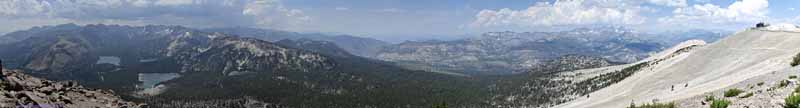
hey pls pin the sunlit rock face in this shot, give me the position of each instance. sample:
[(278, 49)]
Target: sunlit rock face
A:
[(63, 52)]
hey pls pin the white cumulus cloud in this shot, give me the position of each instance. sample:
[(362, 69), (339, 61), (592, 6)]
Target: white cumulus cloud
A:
[(174, 2), (740, 12), (258, 13), (673, 3), (562, 13)]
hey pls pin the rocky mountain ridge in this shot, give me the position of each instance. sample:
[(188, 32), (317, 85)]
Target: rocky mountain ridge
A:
[(361, 46), (185, 66), (20, 90)]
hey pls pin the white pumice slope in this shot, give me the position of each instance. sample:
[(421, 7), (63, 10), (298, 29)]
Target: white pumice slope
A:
[(580, 75), (737, 58)]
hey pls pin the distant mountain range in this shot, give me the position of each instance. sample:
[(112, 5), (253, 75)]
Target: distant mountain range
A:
[(497, 52), (174, 66), (513, 52), (675, 37), (195, 68)]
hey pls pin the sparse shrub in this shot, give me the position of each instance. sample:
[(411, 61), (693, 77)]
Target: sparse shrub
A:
[(709, 98), (747, 95), (722, 103), (760, 83), (604, 80), (796, 60), (792, 76), (797, 90), (440, 105), (733, 92), (793, 101), (654, 105), (783, 83)]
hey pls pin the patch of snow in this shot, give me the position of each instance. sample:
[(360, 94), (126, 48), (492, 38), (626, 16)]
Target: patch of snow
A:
[(108, 59), (148, 60), (213, 36), (236, 73), (279, 78)]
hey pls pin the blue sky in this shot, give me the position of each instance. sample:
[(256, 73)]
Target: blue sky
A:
[(405, 18)]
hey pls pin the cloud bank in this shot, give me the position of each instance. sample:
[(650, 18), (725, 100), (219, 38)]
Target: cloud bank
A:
[(740, 12), (562, 13), (671, 3), (576, 13), (203, 13)]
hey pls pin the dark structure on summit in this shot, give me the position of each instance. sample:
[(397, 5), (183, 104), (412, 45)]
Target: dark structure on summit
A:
[(761, 25)]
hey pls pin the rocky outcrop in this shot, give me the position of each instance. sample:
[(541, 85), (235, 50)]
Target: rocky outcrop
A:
[(20, 90), (57, 56)]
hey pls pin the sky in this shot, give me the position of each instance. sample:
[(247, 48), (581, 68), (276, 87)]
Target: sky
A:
[(404, 18)]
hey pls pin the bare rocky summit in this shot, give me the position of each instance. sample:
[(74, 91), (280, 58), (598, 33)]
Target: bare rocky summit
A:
[(23, 91)]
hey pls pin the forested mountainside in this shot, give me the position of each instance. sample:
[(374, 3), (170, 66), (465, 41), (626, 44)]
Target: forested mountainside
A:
[(173, 66)]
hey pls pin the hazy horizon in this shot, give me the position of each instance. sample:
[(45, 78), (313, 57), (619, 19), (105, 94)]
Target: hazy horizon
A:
[(389, 19)]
